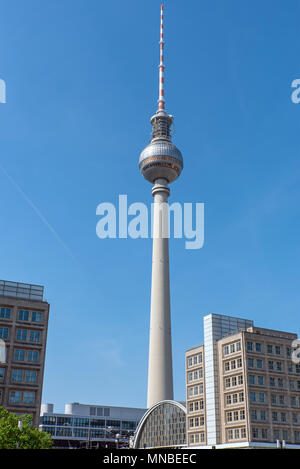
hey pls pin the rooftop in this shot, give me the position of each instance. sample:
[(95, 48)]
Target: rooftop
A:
[(21, 290)]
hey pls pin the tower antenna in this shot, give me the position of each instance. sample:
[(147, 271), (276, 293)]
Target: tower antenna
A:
[(161, 97)]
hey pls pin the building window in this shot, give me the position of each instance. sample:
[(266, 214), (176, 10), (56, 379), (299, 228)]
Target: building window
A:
[(270, 348), (2, 374), (255, 432), (230, 434), (261, 380), (241, 397), (250, 346), (253, 396), (229, 416), (5, 313), (29, 397), (36, 316), (21, 334), (271, 365), (242, 414), (277, 350), (17, 376), (252, 379), (19, 355), (30, 376), (3, 332), (281, 400), (23, 315), (226, 349), (243, 432), (275, 416), (32, 356), (232, 348), (272, 382), (34, 336), (264, 433), (261, 397), (238, 346), (250, 362), (253, 414), (259, 364), (239, 363), (258, 347), (15, 397), (285, 435)]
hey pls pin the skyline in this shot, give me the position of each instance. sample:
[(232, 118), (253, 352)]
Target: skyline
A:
[(76, 118)]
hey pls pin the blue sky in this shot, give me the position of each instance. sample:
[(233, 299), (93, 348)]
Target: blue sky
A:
[(81, 79)]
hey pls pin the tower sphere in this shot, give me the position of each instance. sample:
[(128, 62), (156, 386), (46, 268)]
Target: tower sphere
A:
[(161, 159)]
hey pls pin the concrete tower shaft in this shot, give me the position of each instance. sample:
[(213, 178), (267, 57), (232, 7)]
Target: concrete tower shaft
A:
[(160, 370)]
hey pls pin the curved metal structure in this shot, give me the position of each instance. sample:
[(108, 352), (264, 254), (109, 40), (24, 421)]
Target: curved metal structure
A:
[(163, 425)]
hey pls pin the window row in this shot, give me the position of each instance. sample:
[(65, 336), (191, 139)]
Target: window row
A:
[(22, 315), (257, 414), (22, 397), (195, 360), (236, 433), (27, 376), (196, 406), (233, 364), (86, 422), (195, 390), (195, 438), (257, 380), (234, 398), (232, 348), (262, 415), (196, 421), (21, 334), (270, 348), (234, 381), (236, 415), (31, 356), (194, 375)]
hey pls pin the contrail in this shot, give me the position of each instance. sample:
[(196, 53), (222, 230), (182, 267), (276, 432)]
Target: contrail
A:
[(37, 211)]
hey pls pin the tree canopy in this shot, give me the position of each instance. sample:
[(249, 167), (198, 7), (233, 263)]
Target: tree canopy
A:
[(28, 437)]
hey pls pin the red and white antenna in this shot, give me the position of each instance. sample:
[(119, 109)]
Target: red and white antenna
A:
[(161, 98)]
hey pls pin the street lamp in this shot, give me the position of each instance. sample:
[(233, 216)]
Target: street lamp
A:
[(20, 426), (117, 440)]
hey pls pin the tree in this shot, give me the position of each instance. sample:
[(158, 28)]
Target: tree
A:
[(12, 437)]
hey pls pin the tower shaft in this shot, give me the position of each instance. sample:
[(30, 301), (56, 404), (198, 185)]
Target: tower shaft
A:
[(160, 370)]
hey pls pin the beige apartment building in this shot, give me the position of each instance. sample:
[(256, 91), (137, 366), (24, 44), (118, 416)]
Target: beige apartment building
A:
[(23, 335), (243, 387)]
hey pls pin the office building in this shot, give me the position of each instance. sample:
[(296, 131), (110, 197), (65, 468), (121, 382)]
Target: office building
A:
[(242, 386), (23, 335), (90, 426)]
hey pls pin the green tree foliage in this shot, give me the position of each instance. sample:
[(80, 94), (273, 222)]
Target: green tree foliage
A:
[(11, 437)]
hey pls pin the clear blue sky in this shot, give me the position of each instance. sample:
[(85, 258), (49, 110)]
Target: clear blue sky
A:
[(81, 80)]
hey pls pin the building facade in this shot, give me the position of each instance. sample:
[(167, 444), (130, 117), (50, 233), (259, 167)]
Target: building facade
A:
[(243, 387), (23, 334), (90, 426)]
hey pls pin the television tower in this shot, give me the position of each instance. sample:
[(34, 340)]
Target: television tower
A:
[(160, 163)]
